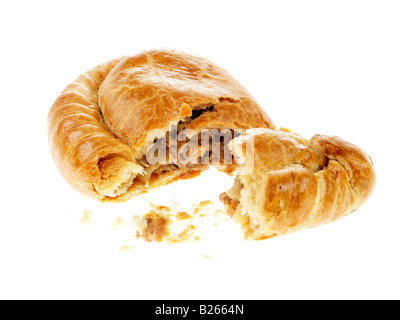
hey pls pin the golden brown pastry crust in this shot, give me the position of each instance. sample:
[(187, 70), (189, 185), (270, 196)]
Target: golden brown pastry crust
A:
[(152, 89), (99, 123), (298, 183), (79, 140)]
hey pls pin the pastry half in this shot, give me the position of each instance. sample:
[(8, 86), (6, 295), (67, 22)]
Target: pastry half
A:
[(104, 124), (288, 183)]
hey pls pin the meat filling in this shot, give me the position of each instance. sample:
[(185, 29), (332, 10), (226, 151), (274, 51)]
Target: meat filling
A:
[(178, 153)]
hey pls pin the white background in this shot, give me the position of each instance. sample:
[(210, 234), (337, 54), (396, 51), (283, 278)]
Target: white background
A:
[(330, 67)]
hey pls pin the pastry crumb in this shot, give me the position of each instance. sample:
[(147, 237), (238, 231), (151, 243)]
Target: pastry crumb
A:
[(183, 216), (157, 207), (198, 208), (125, 248), (185, 235), (154, 226), (85, 220), (205, 203)]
